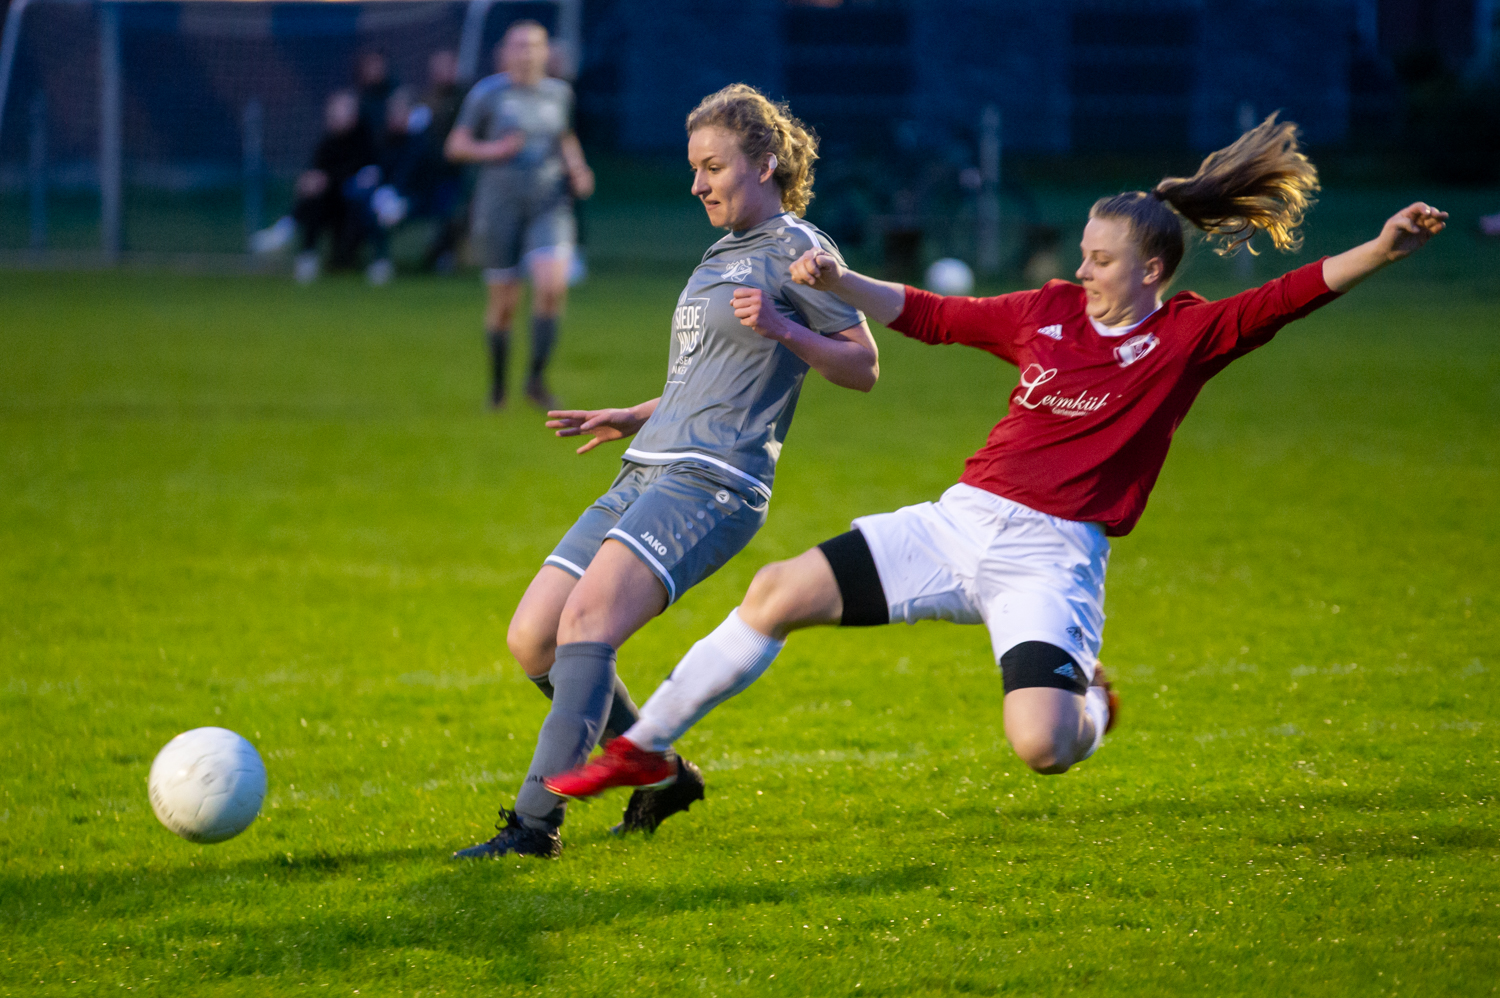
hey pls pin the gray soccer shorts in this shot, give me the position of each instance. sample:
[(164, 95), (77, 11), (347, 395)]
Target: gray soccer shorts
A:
[(510, 228), (680, 520)]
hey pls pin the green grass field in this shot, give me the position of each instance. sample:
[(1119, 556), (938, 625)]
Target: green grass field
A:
[(233, 501)]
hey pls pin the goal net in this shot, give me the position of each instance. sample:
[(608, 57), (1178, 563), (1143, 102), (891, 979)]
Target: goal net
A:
[(172, 127)]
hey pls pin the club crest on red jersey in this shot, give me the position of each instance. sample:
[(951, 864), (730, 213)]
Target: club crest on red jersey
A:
[(1135, 348)]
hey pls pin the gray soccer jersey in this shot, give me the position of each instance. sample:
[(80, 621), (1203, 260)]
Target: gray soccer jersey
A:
[(544, 112), (730, 392)]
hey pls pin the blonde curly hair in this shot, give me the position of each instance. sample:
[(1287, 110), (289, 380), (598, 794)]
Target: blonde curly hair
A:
[(765, 128)]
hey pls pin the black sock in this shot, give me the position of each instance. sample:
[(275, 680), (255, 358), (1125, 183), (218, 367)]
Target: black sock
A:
[(622, 712), (543, 338), (499, 340), (583, 681)]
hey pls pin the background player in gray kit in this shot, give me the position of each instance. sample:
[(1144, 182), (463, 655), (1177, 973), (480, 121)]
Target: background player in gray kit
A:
[(517, 125), (696, 482)]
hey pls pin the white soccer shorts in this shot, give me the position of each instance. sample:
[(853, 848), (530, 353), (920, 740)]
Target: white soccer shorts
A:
[(973, 557)]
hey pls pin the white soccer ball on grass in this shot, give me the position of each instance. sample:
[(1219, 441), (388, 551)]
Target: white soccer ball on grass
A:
[(950, 276), (207, 784)]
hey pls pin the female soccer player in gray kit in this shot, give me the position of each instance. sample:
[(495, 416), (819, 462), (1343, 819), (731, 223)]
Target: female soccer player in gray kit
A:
[(696, 481), (1020, 544), (518, 126)]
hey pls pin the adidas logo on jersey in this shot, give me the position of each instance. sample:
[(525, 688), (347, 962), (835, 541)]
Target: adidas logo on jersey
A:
[(1066, 669), (1053, 331)]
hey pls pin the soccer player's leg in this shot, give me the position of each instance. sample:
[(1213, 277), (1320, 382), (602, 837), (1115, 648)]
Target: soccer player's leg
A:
[(498, 233), (894, 566), (784, 596), (673, 528), (532, 639), (615, 597), (1046, 721), (686, 527), (1042, 581), (1054, 725), (548, 251)]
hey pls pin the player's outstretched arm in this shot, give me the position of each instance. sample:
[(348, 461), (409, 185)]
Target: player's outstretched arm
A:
[(604, 424), (1402, 235), (848, 358), (822, 271)]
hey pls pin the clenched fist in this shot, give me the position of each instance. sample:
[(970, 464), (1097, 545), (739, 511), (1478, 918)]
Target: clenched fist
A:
[(818, 269), (753, 309)]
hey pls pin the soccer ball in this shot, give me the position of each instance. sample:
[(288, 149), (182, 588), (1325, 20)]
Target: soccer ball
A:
[(207, 784), (950, 277)]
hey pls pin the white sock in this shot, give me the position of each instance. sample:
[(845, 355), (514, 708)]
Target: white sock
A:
[(718, 667), (1096, 706)]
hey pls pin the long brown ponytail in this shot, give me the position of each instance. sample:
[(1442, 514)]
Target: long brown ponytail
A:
[(1261, 183)]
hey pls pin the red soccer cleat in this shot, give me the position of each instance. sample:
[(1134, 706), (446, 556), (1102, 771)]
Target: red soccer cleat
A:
[(622, 765)]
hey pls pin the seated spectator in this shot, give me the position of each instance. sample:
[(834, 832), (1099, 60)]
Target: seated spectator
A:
[(375, 83), (401, 152), (417, 181), (444, 201), (329, 191)]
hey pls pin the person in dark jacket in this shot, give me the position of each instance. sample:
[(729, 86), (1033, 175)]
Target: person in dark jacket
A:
[(444, 200), (374, 82), (339, 166)]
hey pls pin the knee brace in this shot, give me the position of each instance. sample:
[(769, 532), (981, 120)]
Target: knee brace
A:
[(1037, 663), (858, 579)]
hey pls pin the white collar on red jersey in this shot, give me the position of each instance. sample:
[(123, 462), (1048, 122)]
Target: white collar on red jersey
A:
[(1113, 331)]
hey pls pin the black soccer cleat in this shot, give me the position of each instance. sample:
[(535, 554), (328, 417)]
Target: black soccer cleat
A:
[(649, 808), (515, 839)]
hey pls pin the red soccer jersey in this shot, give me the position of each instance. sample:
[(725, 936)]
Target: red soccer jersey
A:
[(1090, 423)]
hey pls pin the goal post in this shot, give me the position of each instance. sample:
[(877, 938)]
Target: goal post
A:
[(136, 102)]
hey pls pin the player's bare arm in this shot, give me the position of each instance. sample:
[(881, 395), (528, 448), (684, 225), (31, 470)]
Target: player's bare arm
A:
[(822, 271), (463, 147), (1402, 235), (604, 424), (580, 175), (848, 358)]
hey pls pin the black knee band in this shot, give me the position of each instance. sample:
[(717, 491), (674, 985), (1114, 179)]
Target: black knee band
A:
[(859, 582), (1036, 663)]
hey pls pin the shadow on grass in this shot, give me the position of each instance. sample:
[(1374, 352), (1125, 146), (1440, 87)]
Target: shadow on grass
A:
[(1393, 825), (492, 915)]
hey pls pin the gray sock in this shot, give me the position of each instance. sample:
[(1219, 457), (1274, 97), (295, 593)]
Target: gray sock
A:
[(622, 712), (543, 338), (582, 680), (543, 683)]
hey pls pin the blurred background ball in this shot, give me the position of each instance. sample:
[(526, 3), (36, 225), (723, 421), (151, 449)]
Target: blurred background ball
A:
[(950, 277), (207, 784)]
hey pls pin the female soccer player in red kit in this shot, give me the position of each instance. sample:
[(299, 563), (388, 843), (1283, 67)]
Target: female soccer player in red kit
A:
[(1108, 371)]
